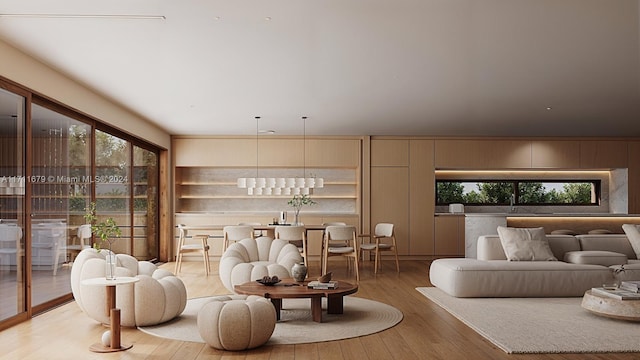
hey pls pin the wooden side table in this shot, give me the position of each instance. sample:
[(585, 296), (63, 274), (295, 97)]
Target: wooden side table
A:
[(112, 311)]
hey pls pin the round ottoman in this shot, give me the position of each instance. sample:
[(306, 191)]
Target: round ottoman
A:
[(236, 322)]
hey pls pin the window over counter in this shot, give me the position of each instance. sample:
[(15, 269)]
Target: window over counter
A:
[(518, 192)]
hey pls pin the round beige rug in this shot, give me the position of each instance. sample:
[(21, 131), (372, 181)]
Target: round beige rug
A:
[(361, 317)]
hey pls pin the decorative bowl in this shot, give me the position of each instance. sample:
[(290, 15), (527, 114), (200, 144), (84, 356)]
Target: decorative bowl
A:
[(325, 278), (268, 282)]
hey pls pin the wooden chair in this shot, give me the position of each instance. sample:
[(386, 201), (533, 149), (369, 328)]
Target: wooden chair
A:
[(236, 233), (82, 241), (334, 223), (378, 244), (201, 246), (341, 241), (296, 236)]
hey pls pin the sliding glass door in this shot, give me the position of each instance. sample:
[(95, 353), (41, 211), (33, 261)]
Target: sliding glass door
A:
[(54, 162), (12, 205), (60, 191)]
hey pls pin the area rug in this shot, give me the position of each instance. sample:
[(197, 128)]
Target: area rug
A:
[(361, 317), (540, 325)]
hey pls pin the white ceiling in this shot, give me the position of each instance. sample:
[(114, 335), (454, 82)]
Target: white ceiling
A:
[(354, 67)]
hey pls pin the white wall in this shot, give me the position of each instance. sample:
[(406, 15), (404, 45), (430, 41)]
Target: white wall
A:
[(27, 71)]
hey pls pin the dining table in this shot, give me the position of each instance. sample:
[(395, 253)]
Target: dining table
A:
[(214, 231)]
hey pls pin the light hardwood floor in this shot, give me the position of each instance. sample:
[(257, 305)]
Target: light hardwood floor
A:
[(426, 332)]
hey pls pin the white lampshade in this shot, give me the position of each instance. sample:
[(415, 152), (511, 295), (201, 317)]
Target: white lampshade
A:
[(310, 182), (290, 182)]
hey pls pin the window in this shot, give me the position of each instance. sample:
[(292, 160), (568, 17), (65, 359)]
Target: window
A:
[(518, 192)]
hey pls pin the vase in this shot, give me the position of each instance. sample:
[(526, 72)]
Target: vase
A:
[(299, 272), (110, 263), (295, 219)]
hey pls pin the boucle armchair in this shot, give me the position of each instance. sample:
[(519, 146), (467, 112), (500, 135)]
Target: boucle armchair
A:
[(252, 259), (157, 297)]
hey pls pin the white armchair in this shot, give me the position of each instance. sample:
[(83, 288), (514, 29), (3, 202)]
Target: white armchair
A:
[(252, 259), (157, 297)]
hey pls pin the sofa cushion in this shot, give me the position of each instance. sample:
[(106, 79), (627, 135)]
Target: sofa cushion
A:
[(490, 247), (633, 234), (501, 278), (525, 244), (607, 242), (604, 258)]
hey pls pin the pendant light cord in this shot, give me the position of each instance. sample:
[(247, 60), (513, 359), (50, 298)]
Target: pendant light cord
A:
[(304, 146), (257, 146)]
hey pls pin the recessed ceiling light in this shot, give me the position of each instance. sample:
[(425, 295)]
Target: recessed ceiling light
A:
[(87, 16), (268, 18), (216, 18), (548, 108)]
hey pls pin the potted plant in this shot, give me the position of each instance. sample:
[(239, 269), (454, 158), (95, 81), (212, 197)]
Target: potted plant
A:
[(106, 231), (297, 202)]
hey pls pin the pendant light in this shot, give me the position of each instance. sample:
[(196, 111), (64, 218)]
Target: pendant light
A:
[(281, 186)]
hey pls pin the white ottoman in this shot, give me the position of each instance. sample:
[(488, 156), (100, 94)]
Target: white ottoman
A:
[(236, 322)]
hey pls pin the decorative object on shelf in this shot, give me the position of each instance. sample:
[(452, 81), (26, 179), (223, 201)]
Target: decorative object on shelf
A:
[(297, 202), (299, 272), (280, 185), (105, 231)]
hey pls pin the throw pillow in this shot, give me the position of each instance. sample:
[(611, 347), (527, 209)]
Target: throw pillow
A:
[(521, 244), (633, 234)]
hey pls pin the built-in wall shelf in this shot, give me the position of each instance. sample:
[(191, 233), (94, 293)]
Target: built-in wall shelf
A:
[(214, 189)]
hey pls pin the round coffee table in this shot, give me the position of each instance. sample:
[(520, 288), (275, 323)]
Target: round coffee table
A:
[(290, 289), (610, 307)]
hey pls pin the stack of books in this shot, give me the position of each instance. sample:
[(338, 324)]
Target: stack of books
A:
[(631, 285), (323, 285), (628, 290)]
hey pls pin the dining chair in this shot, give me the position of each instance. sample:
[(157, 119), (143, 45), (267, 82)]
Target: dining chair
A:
[(295, 235), (236, 233), (341, 241), (256, 233), (378, 243), (10, 236), (82, 241), (201, 246), (49, 244), (325, 224)]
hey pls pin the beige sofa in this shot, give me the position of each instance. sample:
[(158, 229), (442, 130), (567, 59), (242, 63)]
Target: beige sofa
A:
[(585, 261)]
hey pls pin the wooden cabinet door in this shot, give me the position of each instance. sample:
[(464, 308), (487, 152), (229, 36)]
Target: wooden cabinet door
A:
[(559, 154), (422, 199), (482, 154), (602, 154), (449, 235), (390, 201), (389, 152)]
